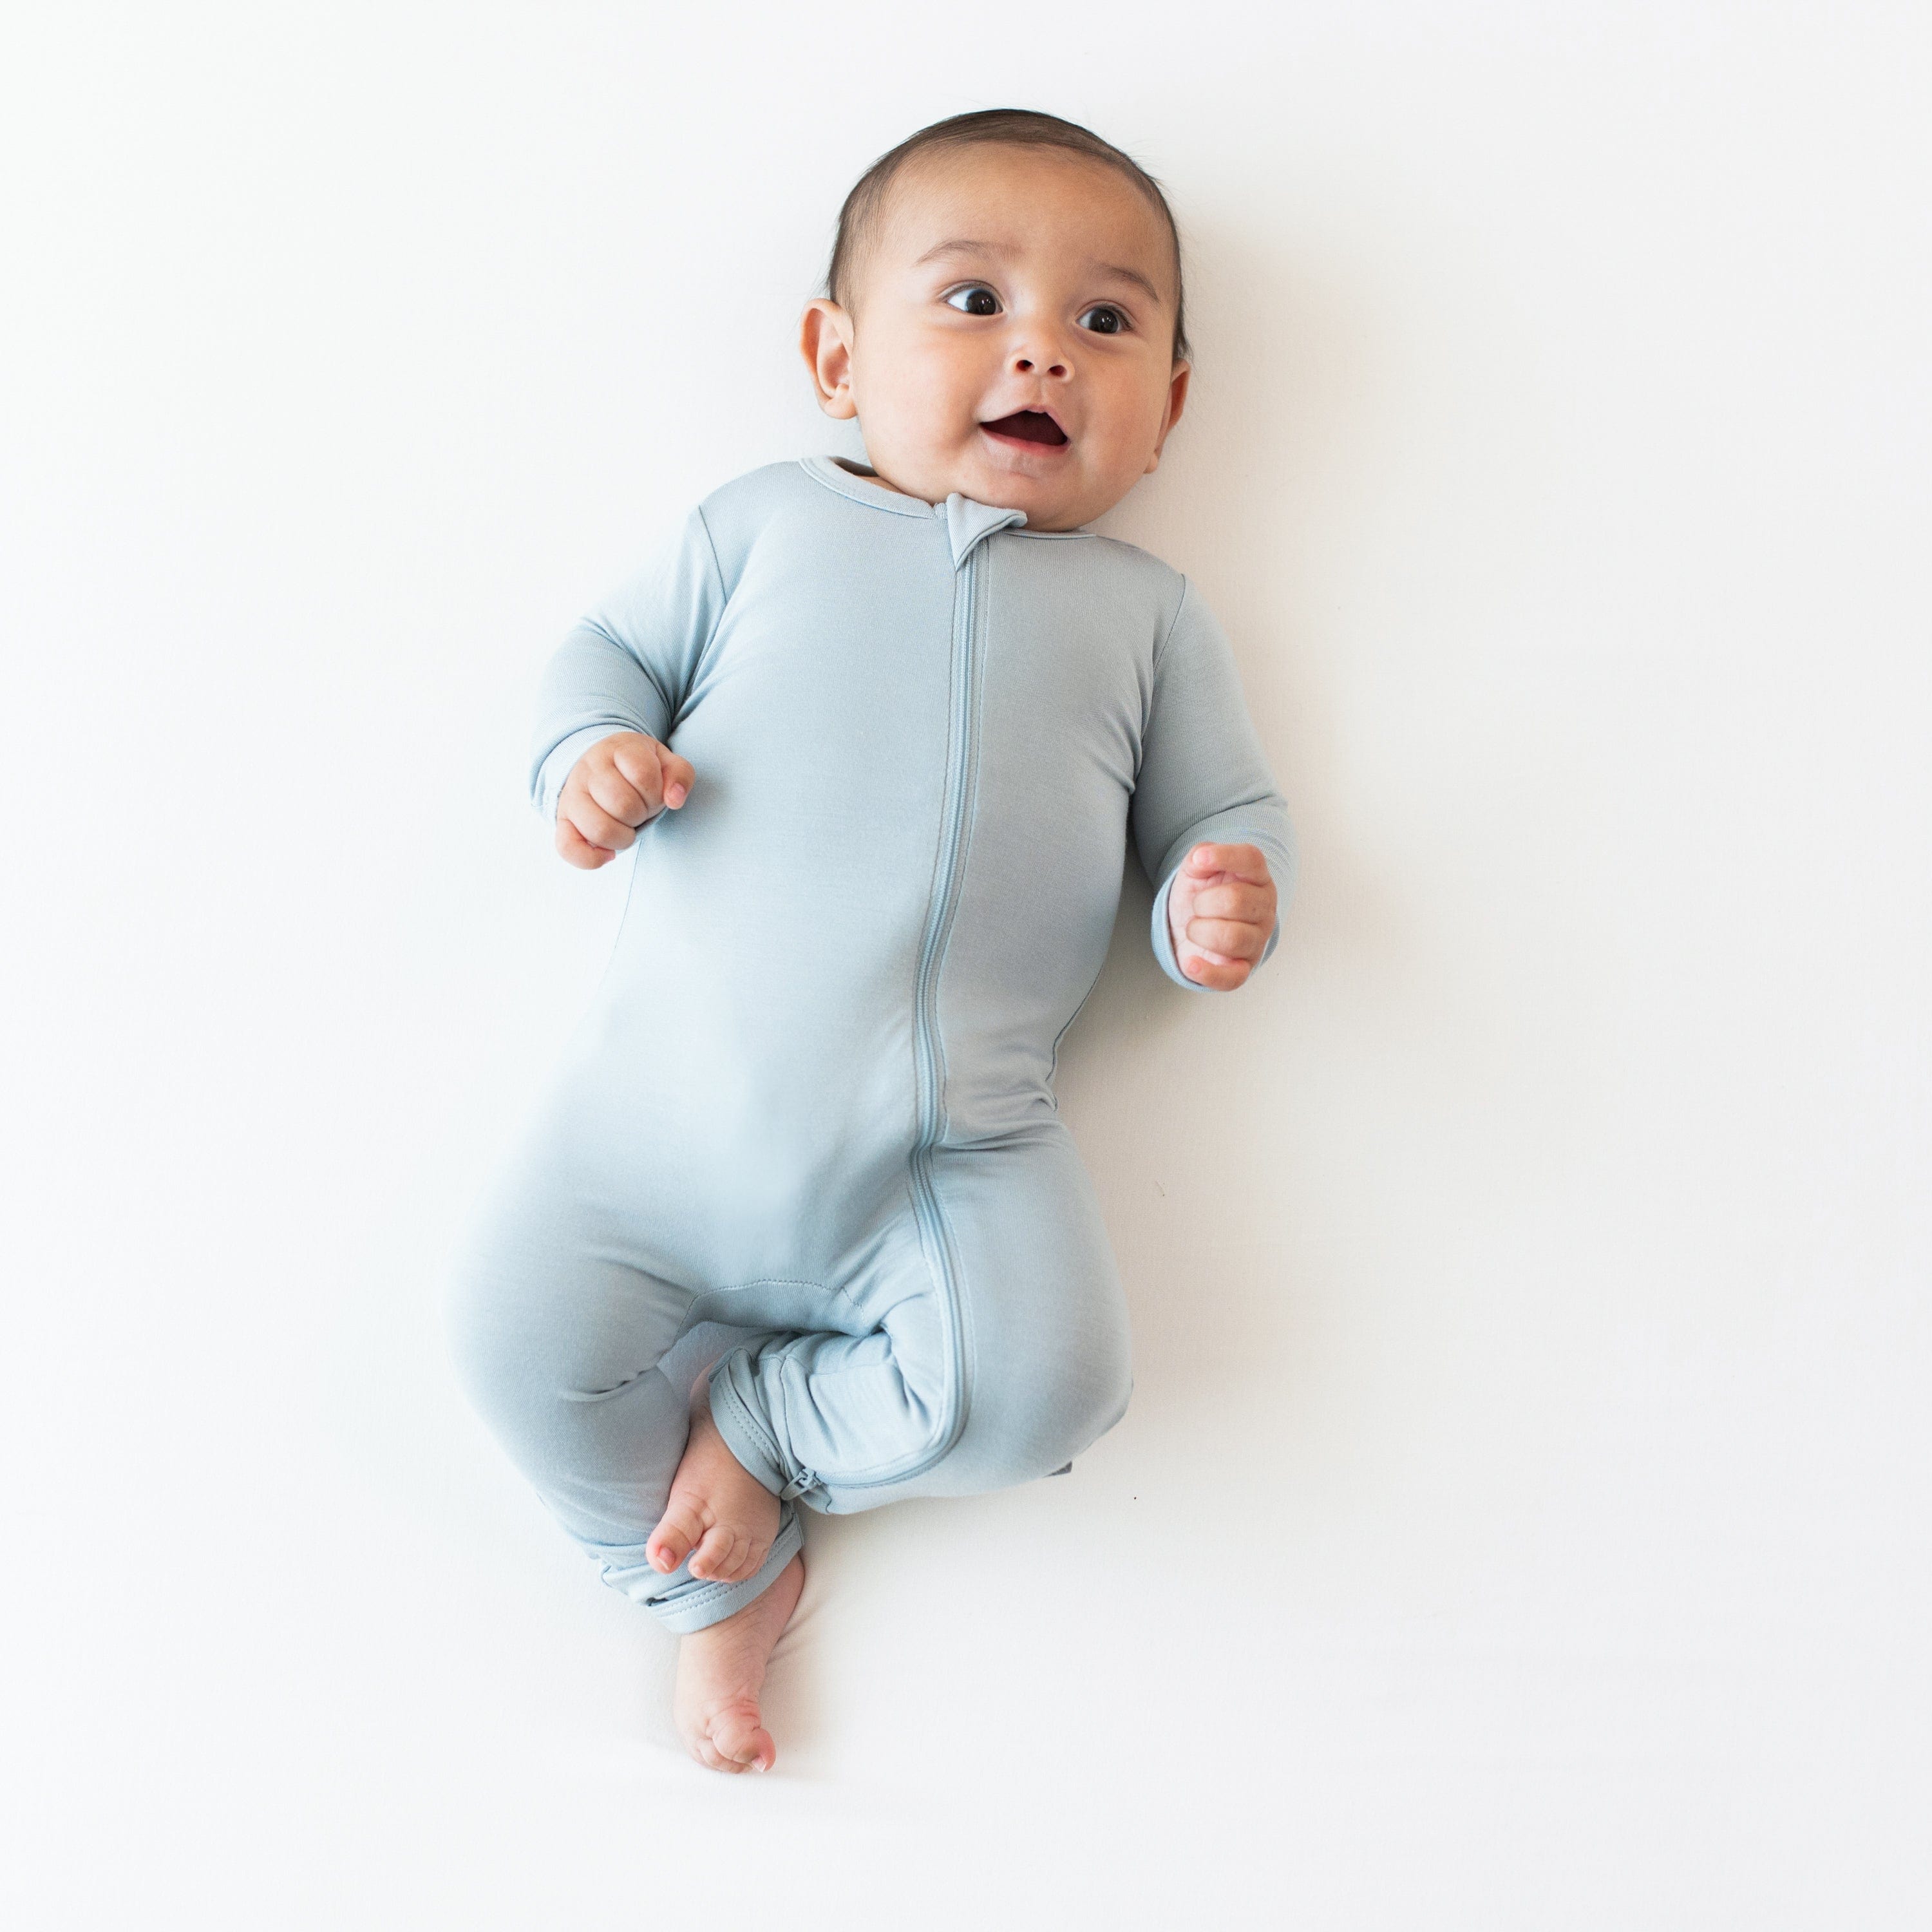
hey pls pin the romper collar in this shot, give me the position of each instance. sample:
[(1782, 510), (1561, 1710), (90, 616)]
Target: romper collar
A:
[(967, 521)]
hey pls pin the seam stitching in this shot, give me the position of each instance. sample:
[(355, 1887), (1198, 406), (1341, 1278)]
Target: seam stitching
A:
[(725, 595), (1160, 649)]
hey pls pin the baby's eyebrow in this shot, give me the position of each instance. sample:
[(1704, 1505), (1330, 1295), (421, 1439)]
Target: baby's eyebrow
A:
[(962, 246), (1134, 275)]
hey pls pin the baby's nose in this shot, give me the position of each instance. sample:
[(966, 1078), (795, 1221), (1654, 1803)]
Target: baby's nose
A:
[(1054, 366)]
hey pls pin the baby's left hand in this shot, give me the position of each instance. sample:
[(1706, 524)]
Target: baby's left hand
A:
[(1223, 907)]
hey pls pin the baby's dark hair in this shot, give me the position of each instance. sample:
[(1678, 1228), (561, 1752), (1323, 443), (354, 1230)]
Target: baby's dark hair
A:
[(990, 127)]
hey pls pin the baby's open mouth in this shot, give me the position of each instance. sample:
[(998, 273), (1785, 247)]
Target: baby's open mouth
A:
[(1027, 426)]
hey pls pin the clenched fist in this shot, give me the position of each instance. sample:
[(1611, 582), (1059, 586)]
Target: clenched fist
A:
[(622, 782), (1220, 914)]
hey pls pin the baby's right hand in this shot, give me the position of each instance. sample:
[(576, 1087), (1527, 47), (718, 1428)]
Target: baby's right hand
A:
[(622, 782)]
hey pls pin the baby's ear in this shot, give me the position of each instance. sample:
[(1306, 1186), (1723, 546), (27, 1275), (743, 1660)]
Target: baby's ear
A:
[(825, 340), (1176, 401)]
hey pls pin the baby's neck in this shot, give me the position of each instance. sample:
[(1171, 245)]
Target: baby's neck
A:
[(872, 475)]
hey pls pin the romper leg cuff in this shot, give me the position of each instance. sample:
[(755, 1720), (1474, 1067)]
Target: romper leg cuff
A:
[(747, 1437), (711, 1603)]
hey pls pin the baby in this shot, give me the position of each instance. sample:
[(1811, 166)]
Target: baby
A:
[(880, 735)]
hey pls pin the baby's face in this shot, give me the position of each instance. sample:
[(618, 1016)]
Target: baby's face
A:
[(1011, 335)]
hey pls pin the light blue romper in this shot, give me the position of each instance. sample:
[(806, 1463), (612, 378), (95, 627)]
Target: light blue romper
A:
[(812, 1096)]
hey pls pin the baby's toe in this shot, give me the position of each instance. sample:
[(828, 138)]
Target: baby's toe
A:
[(708, 1755), (716, 1559), (740, 1739), (672, 1541)]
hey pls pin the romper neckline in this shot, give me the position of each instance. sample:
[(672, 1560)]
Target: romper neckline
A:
[(967, 519), (835, 473)]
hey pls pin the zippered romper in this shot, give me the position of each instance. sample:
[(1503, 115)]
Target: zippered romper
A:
[(812, 1096)]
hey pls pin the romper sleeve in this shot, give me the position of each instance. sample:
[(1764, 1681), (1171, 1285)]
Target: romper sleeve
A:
[(1203, 775), (629, 664)]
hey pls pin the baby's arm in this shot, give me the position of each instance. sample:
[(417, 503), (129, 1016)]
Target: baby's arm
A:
[(600, 763), (1211, 828)]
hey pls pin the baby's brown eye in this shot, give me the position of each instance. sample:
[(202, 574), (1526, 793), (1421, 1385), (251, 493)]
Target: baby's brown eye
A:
[(976, 301), (1104, 320)]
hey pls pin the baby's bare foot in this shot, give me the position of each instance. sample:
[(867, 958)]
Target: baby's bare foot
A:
[(719, 1513), (720, 1673)]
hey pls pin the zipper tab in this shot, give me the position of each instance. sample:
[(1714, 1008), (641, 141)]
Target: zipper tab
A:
[(967, 521)]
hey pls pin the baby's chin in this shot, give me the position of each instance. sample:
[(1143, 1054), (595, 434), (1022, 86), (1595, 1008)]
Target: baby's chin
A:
[(1050, 484), (1050, 503)]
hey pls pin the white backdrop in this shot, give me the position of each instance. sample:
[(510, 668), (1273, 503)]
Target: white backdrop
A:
[(1521, 1519)]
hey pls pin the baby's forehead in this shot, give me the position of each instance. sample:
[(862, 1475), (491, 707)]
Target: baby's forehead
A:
[(1017, 186), (1015, 200)]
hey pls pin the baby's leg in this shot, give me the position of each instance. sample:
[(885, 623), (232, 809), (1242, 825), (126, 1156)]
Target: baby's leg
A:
[(1052, 1349), (1001, 1350), (1043, 1368), (558, 1332)]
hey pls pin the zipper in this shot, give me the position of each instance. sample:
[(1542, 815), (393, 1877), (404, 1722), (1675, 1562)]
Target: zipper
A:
[(962, 763)]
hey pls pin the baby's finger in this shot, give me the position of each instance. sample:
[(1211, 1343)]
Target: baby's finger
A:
[(1237, 899), (1223, 976), (577, 849), (599, 827), (1228, 939), (678, 777), (1245, 862), (640, 760), (616, 794)]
